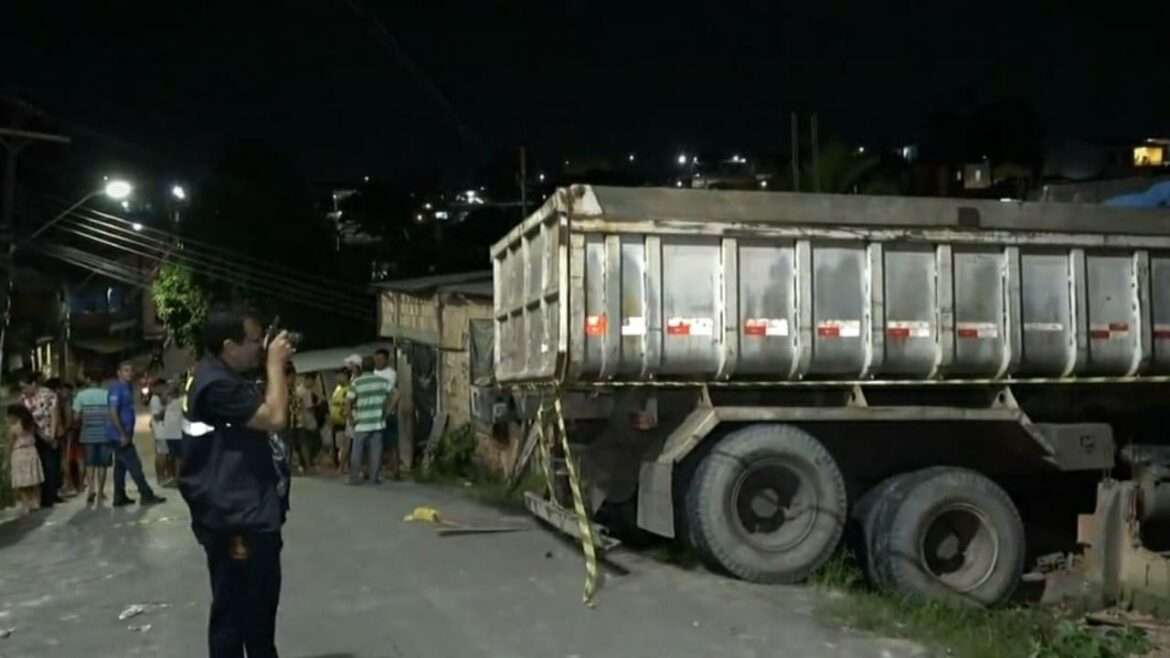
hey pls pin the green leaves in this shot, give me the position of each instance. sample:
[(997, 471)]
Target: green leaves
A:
[(181, 302)]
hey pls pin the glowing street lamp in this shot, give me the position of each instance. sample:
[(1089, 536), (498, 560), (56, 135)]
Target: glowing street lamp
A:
[(116, 189), (179, 193)]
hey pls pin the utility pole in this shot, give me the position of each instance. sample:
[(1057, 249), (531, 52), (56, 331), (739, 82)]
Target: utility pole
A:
[(523, 183), (14, 140), (795, 153), (816, 152)]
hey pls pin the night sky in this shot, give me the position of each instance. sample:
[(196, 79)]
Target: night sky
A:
[(464, 82)]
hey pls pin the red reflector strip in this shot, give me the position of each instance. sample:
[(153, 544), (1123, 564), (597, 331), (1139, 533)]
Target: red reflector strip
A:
[(595, 325)]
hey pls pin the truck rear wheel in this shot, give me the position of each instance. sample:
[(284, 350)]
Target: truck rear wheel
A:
[(767, 504), (871, 510), (951, 535)]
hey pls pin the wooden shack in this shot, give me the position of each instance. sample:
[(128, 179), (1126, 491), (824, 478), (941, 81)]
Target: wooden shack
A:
[(430, 320)]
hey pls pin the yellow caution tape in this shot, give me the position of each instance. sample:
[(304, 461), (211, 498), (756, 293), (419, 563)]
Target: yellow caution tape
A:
[(545, 452), (424, 514), (588, 541)]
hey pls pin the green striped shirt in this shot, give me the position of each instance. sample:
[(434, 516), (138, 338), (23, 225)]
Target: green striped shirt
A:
[(368, 394)]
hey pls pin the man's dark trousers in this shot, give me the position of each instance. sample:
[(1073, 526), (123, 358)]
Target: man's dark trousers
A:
[(51, 466), (245, 593), (126, 459)]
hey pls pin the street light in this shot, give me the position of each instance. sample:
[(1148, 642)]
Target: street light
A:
[(179, 193), (115, 189)]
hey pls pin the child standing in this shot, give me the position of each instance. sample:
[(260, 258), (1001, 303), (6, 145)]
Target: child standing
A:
[(27, 473)]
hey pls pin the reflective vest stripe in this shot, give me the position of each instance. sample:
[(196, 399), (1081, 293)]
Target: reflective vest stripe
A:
[(196, 429)]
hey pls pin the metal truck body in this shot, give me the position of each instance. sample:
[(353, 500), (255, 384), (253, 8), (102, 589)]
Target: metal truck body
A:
[(766, 320)]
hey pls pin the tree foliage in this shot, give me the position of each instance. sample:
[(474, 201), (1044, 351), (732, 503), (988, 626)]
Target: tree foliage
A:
[(181, 302)]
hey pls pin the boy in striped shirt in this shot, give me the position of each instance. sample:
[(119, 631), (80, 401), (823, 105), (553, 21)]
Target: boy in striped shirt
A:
[(369, 401)]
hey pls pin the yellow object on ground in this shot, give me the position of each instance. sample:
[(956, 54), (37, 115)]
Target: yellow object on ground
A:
[(427, 514)]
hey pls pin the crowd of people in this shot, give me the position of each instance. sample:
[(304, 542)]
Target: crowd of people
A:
[(64, 438), (354, 427)]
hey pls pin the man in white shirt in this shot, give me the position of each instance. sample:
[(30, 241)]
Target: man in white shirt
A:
[(158, 406), (382, 368), (390, 434), (171, 431)]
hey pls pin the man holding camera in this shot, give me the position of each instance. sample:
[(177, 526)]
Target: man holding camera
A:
[(235, 478)]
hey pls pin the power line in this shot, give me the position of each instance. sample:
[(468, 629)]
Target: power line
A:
[(136, 238), (222, 274), (275, 291), (229, 253), (395, 49), (95, 264)]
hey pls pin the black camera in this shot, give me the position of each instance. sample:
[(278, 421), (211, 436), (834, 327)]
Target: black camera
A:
[(294, 337)]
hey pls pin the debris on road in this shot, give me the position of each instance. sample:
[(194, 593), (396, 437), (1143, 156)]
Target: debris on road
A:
[(132, 611), (426, 514), (145, 628), (452, 528), (6, 632), (1157, 631), (136, 609)]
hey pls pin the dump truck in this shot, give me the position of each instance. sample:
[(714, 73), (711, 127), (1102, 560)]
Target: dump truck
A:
[(973, 392)]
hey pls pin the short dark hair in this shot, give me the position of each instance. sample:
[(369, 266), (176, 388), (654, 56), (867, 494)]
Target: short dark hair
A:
[(21, 413), (224, 323), (382, 352), (54, 383)]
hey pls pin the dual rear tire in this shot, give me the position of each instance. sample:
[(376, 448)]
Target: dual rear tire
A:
[(768, 504), (944, 534)]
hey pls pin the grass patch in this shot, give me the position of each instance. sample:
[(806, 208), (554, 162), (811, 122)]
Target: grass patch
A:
[(1015, 632), (454, 466)]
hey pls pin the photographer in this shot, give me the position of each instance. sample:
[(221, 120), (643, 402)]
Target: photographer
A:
[(235, 478)]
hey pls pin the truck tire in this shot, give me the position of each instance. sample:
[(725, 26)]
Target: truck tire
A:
[(869, 511), (767, 504), (950, 535)]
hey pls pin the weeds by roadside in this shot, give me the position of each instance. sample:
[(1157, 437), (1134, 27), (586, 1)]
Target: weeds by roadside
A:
[(455, 466), (1016, 632)]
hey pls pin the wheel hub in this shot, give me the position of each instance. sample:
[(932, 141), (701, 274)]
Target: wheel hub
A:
[(774, 505), (959, 547)]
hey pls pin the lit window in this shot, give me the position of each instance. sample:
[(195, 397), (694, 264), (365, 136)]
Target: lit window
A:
[(1149, 156)]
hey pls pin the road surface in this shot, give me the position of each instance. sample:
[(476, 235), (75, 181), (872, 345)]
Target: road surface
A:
[(358, 581)]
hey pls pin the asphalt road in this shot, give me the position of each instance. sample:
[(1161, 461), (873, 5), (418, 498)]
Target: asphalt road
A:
[(358, 581)]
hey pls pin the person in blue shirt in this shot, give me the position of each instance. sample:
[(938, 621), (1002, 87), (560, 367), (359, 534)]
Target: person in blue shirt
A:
[(120, 431)]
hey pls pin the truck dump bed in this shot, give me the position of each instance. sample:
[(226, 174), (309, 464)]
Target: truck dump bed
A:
[(647, 284)]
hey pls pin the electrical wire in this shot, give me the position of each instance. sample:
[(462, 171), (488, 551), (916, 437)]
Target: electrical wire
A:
[(95, 264), (222, 274), (160, 250), (228, 253), (238, 258)]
